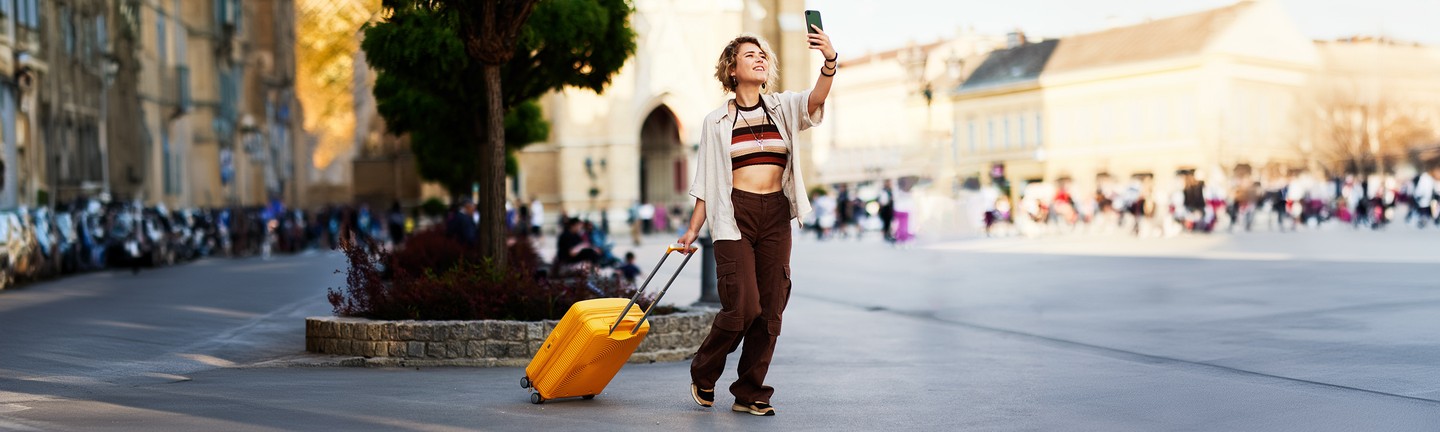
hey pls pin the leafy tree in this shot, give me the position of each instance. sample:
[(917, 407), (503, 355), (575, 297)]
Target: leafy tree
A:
[(457, 75)]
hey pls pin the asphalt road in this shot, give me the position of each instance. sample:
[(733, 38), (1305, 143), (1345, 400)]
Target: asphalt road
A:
[(1312, 331)]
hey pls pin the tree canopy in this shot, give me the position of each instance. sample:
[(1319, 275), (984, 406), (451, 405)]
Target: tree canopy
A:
[(427, 86)]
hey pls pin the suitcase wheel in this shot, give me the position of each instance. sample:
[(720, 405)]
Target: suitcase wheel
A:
[(588, 397), (525, 382), (536, 399)]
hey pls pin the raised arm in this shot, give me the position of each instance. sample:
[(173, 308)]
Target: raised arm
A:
[(821, 41)]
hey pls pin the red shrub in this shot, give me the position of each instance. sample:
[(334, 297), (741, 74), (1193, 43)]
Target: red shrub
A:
[(435, 278)]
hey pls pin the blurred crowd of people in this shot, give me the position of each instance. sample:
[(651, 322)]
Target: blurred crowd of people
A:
[(1285, 203)]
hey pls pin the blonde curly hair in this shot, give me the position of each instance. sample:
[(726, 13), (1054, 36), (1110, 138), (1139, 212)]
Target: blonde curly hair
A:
[(728, 60)]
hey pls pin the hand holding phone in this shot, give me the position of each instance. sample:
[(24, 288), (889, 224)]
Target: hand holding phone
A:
[(816, 34)]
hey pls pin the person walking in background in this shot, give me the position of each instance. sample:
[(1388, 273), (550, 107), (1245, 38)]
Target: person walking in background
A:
[(1424, 197), (521, 227), (904, 209), (1434, 193), (647, 218), (634, 219), (396, 221), (537, 217), (825, 214), (662, 219), (844, 211), (887, 210), (749, 186), (1245, 197), (462, 226)]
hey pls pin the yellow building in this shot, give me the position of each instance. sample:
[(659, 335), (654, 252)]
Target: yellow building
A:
[(1215, 92), (219, 111), (889, 115)]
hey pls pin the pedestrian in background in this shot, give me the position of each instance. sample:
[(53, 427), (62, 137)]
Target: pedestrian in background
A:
[(887, 210), (904, 209), (462, 226), (749, 186), (647, 217), (537, 217), (844, 210), (825, 214), (661, 220), (1424, 197), (396, 220)]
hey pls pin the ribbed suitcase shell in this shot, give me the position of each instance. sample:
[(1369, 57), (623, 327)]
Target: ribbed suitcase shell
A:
[(579, 358)]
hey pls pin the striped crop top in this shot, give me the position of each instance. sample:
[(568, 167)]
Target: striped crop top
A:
[(755, 139)]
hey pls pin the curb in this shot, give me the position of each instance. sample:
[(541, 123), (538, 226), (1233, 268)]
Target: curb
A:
[(358, 342)]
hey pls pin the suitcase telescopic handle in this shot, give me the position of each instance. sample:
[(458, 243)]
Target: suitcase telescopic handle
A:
[(688, 252)]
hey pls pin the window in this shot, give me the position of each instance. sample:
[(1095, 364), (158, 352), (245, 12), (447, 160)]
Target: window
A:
[(954, 145), (182, 79), (1162, 118), (1039, 130), (161, 48), (181, 51), (31, 13), (1187, 115), (67, 29), (990, 133), (102, 39), (1023, 132), (7, 8), (1007, 132), (972, 136), (227, 12), (1137, 118)]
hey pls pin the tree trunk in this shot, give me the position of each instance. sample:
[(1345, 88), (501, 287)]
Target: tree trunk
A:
[(491, 204)]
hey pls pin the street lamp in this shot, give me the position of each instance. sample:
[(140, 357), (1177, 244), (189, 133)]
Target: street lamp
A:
[(111, 68)]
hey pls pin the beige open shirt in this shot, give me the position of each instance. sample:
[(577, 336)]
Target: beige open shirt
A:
[(713, 181)]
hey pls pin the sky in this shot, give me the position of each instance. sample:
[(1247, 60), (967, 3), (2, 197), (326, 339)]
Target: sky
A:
[(870, 25)]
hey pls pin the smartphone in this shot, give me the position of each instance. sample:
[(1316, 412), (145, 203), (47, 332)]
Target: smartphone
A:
[(812, 17)]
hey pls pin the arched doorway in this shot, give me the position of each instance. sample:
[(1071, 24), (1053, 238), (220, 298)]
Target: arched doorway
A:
[(664, 179)]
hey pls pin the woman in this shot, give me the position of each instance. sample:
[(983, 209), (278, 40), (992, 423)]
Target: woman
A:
[(748, 185)]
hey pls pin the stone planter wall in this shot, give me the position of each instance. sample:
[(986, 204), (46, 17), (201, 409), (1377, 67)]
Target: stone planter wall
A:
[(485, 343)]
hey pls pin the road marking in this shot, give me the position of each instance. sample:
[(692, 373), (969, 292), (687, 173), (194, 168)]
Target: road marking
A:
[(10, 408), (12, 426)]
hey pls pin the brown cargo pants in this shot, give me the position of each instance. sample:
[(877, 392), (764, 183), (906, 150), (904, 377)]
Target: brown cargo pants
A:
[(754, 287)]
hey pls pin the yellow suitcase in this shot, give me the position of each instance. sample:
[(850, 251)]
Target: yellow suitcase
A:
[(591, 343)]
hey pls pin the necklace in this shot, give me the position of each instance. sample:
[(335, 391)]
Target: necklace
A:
[(747, 124)]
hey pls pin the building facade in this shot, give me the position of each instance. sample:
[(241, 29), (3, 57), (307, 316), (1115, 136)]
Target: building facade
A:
[(1213, 93), (138, 100), (218, 102), (889, 115)]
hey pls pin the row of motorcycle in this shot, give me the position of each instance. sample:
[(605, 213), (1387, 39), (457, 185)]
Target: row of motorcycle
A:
[(42, 243)]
